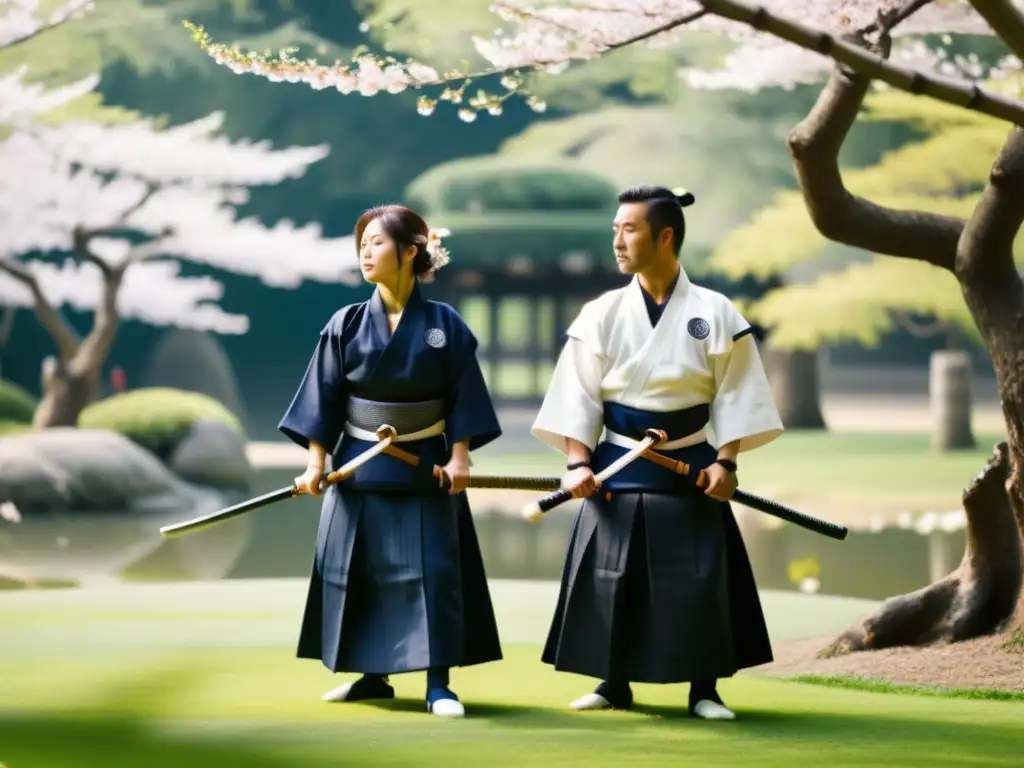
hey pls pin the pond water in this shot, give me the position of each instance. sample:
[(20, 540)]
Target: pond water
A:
[(277, 541)]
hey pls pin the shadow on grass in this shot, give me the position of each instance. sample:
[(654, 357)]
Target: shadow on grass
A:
[(123, 741), (117, 741), (125, 727)]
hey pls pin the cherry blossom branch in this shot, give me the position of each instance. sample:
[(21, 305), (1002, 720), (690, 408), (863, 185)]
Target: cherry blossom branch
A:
[(106, 318), (966, 95), (153, 248), (81, 237), (370, 76), (64, 336), (85, 234), (888, 20), (35, 28)]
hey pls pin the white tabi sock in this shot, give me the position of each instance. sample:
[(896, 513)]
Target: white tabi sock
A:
[(447, 708), (340, 693), (712, 710), (591, 701)]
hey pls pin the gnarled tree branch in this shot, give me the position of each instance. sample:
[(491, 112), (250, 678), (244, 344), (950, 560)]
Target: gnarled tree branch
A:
[(986, 247), (1005, 20), (814, 145), (96, 346), (888, 20), (87, 234), (145, 251), (81, 236), (63, 335), (870, 64)]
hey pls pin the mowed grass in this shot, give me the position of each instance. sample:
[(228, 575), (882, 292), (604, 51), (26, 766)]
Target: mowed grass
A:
[(847, 476), (205, 675)]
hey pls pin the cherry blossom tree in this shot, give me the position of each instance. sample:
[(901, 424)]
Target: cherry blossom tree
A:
[(126, 202), (851, 45), (20, 22)]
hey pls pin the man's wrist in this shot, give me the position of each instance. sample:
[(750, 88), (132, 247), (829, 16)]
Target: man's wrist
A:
[(727, 464), (577, 464)]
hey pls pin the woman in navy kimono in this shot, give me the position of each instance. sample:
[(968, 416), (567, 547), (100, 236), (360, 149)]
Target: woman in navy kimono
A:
[(398, 582)]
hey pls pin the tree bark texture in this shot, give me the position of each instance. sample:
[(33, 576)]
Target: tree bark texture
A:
[(975, 599), (983, 595)]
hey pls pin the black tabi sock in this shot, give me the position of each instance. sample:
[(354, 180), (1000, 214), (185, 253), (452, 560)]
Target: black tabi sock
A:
[(617, 693), (704, 689)]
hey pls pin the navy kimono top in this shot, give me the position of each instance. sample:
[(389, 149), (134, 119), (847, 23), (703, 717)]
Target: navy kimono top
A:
[(432, 355)]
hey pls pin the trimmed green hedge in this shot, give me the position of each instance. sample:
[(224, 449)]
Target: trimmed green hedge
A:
[(157, 418), (16, 404)]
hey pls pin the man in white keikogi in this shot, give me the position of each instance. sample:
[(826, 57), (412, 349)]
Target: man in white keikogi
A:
[(657, 585)]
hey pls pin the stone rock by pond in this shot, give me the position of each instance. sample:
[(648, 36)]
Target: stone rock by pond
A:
[(91, 503), (213, 454)]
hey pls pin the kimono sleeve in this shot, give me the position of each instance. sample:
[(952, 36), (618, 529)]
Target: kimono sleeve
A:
[(470, 414), (743, 408), (573, 406), (318, 411)]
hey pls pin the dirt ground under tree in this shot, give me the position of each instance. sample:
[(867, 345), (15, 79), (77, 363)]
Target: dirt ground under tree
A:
[(986, 662)]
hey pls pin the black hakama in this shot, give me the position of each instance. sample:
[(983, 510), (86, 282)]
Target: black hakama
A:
[(656, 588)]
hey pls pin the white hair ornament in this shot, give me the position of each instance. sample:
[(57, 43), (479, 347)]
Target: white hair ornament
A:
[(439, 255)]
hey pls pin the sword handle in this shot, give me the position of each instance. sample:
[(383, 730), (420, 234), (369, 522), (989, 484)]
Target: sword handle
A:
[(504, 482), (547, 503)]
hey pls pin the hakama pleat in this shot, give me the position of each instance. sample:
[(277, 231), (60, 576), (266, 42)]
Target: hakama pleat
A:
[(397, 585), (656, 588)]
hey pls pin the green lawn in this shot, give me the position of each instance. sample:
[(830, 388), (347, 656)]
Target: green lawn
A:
[(838, 475), (205, 675)]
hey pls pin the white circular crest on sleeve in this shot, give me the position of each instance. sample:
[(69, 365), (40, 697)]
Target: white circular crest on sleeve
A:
[(435, 338)]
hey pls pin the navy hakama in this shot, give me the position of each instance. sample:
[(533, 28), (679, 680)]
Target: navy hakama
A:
[(398, 581)]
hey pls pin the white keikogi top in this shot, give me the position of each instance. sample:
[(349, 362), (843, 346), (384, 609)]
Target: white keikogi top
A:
[(701, 352)]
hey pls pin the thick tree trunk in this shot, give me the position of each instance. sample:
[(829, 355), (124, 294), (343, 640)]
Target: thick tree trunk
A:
[(67, 390), (793, 376), (975, 599), (984, 594)]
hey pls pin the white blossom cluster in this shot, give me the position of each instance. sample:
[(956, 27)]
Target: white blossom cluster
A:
[(20, 101), (589, 28), (19, 21), (548, 36), (172, 190)]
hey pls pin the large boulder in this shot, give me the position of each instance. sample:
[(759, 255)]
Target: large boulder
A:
[(84, 470), (91, 503), (195, 435), (212, 453)]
